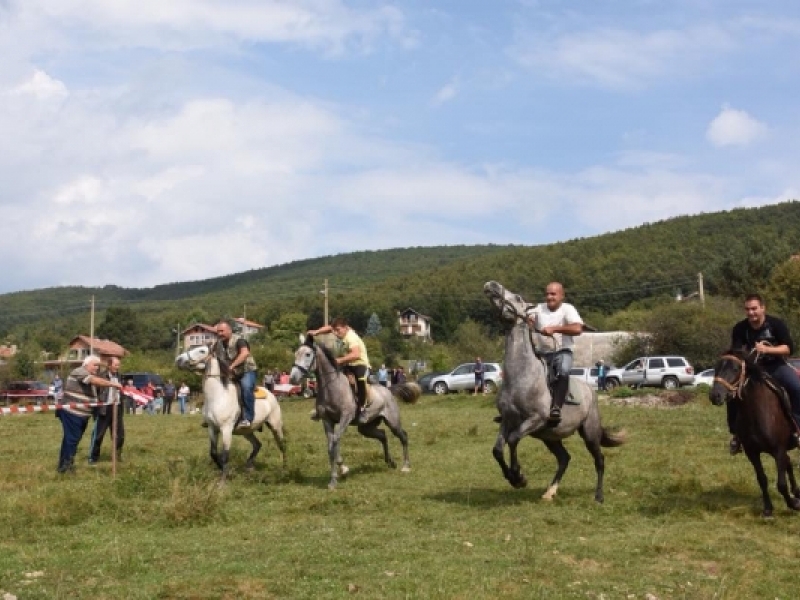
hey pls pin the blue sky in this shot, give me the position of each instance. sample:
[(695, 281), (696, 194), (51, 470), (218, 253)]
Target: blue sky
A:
[(149, 142)]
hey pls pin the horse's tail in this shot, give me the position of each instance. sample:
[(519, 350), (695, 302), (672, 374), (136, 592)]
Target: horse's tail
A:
[(407, 392), (612, 437)]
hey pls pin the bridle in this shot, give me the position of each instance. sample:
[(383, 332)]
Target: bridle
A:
[(306, 371), (736, 387), (507, 304)]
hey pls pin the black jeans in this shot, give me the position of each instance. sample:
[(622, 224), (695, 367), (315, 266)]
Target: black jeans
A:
[(103, 422), (360, 373)]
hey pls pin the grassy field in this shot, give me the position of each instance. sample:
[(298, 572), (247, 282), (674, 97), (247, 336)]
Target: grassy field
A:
[(681, 517)]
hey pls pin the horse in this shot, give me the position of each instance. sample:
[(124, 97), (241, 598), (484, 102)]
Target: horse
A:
[(524, 402), (336, 406), (763, 424), (221, 409)]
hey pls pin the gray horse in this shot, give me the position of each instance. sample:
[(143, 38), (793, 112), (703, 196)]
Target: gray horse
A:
[(524, 402), (336, 407)]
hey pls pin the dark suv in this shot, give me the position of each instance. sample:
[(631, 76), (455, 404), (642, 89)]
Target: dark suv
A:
[(25, 391)]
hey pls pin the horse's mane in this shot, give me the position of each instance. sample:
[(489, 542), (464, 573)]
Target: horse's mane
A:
[(328, 353)]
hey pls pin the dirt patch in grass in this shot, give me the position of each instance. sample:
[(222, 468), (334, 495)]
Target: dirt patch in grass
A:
[(666, 399)]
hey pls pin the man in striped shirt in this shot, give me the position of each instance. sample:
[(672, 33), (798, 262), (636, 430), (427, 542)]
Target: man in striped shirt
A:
[(80, 387)]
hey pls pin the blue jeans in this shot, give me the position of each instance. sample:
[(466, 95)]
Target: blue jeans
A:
[(74, 426), (248, 383), (182, 402)]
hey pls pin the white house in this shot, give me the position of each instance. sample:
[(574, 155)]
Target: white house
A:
[(413, 323)]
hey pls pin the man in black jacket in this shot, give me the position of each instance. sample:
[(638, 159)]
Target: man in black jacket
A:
[(104, 415), (770, 338)]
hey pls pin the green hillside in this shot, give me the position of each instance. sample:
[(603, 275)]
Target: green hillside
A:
[(734, 250)]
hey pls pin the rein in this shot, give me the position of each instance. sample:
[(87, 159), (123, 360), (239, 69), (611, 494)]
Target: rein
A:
[(736, 386), (507, 304)]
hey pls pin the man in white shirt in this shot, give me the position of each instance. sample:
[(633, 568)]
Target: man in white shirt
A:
[(556, 323)]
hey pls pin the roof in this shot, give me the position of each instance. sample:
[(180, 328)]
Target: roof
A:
[(201, 326), (416, 312), (103, 347), (243, 321)]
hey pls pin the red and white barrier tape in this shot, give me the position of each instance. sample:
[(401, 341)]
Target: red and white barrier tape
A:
[(137, 396)]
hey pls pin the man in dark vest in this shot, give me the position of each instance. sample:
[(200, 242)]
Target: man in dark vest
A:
[(104, 415)]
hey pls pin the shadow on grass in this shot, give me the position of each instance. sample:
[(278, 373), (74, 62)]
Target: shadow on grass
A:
[(724, 498), (487, 498)]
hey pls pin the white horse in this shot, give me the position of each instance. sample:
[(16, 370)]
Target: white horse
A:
[(221, 409)]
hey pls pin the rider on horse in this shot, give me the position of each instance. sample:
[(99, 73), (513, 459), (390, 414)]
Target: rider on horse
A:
[(352, 357), (770, 338), (556, 323), (234, 350)]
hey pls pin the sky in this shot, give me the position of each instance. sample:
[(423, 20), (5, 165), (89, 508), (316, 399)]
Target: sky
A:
[(149, 142)]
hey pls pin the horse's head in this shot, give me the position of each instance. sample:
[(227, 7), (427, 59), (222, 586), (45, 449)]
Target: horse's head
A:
[(304, 359), (194, 359), (730, 373), (512, 306)]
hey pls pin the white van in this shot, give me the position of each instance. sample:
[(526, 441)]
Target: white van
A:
[(588, 374)]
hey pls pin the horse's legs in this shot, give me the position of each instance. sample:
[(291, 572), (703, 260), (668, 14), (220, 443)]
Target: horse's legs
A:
[(371, 430), (499, 453), (792, 481), (213, 437), (563, 458), (275, 423), (227, 439), (783, 465), (514, 473), (755, 459), (400, 433), (593, 446), (333, 452), (251, 437)]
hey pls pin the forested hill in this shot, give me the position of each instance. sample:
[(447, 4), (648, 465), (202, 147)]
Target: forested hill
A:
[(734, 250)]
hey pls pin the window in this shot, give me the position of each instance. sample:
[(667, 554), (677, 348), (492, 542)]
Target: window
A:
[(464, 369), (656, 363), (676, 362)]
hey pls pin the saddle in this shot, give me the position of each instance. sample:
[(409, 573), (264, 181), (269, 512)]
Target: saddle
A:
[(783, 398)]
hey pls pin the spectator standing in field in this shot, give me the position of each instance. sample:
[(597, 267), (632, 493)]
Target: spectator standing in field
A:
[(269, 381), (104, 415), (401, 375), (602, 371), (479, 371), (58, 387), (129, 401), (183, 396), (80, 387), (383, 376), (169, 397)]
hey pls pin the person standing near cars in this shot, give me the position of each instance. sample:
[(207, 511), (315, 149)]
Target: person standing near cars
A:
[(479, 371), (770, 338), (383, 376), (104, 416), (81, 388), (183, 396), (602, 371), (169, 397), (556, 323)]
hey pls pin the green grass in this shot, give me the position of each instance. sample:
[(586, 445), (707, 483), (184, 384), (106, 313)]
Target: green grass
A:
[(681, 517)]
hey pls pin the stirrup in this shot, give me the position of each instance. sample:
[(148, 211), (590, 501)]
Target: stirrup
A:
[(735, 446), (555, 416)]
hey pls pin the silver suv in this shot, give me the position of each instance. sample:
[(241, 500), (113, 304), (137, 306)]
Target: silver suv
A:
[(669, 372), (463, 378)]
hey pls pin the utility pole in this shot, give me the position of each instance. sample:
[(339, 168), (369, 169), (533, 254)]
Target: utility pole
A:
[(177, 340), (700, 290), (325, 294), (91, 329)]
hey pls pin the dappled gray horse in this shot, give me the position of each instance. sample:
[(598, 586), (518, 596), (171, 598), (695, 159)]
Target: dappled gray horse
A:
[(221, 409), (524, 402), (336, 406)]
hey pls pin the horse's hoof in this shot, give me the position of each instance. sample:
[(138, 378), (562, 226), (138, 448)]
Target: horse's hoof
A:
[(766, 514), (249, 468), (520, 483), (344, 470), (405, 469), (332, 486), (391, 464), (794, 504)]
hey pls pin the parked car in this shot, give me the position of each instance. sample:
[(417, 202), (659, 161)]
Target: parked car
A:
[(669, 372), (587, 374), (424, 381), (463, 378), (704, 378), (25, 391)]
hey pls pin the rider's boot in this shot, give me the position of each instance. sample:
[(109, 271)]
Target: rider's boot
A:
[(735, 446), (361, 400), (560, 390)]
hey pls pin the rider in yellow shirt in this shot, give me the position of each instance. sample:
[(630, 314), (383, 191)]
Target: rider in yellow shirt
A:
[(353, 356)]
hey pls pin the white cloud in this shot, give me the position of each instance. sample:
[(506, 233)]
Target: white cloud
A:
[(180, 24), (618, 58), (733, 127), (446, 93), (42, 86)]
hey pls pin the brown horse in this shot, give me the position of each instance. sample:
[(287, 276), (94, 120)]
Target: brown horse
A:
[(763, 424)]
